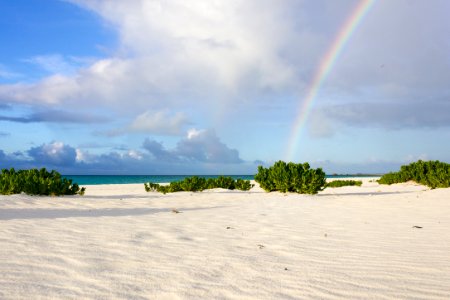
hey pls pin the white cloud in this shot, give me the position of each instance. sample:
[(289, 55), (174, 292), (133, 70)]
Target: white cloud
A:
[(187, 53), (51, 90), (55, 153), (191, 60), (192, 133), (160, 122), (205, 146), (225, 39), (135, 154), (202, 146), (156, 123)]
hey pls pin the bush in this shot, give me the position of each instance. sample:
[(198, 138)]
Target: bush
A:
[(224, 183), (243, 185), (195, 183), (340, 183), (291, 177), (434, 174), (37, 182)]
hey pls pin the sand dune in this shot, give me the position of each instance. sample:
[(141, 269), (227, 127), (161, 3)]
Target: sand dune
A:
[(120, 242)]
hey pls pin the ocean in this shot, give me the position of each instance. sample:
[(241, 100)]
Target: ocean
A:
[(127, 179)]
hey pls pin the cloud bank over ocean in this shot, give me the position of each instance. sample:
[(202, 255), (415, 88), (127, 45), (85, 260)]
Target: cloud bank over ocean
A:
[(199, 151)]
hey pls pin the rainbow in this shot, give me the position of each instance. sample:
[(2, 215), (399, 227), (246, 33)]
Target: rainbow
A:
[(325, 66)]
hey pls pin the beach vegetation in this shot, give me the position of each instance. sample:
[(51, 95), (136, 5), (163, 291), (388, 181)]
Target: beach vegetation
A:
[(291, 177), (37, 182), (340, 183), (197, 184), (434, 174)]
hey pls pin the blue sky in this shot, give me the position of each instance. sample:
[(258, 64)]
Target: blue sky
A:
[(214, 87)]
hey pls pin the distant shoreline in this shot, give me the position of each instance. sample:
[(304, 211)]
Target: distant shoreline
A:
[(137, 179)]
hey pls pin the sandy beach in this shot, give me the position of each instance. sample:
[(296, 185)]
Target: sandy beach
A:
[(120, 242)]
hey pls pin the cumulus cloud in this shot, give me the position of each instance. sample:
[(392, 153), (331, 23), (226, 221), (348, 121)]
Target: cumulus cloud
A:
[(179, 51), (205, 146), (201, 152), (55, 154), (220, 37), (198, 146), (158, 151)]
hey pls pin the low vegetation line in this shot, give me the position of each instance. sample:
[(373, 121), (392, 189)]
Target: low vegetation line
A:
[(340, 183), (37, 182), (434, 174), (197, 184)]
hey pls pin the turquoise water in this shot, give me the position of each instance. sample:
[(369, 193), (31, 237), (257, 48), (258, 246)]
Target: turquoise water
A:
[(126, 179)]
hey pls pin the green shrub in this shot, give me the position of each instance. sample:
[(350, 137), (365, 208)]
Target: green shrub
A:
[(434, 174), (37, 182), (225, 183), (291, 177), (243, 185), (195, 184), (340, 183)]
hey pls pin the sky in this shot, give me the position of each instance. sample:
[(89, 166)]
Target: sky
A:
[(221, 86)]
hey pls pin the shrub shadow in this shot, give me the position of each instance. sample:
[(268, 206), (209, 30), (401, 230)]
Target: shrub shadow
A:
[(365, 193), (51, 213)]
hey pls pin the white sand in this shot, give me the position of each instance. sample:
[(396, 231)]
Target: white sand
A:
[(120, 242)]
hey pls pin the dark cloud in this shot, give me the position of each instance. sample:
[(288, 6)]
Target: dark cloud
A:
[(205, 146), (115, 163), (56, 116), (67, 160), (199, 146), (157, 150), (54, 154), (392, 116), (201, 152)]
